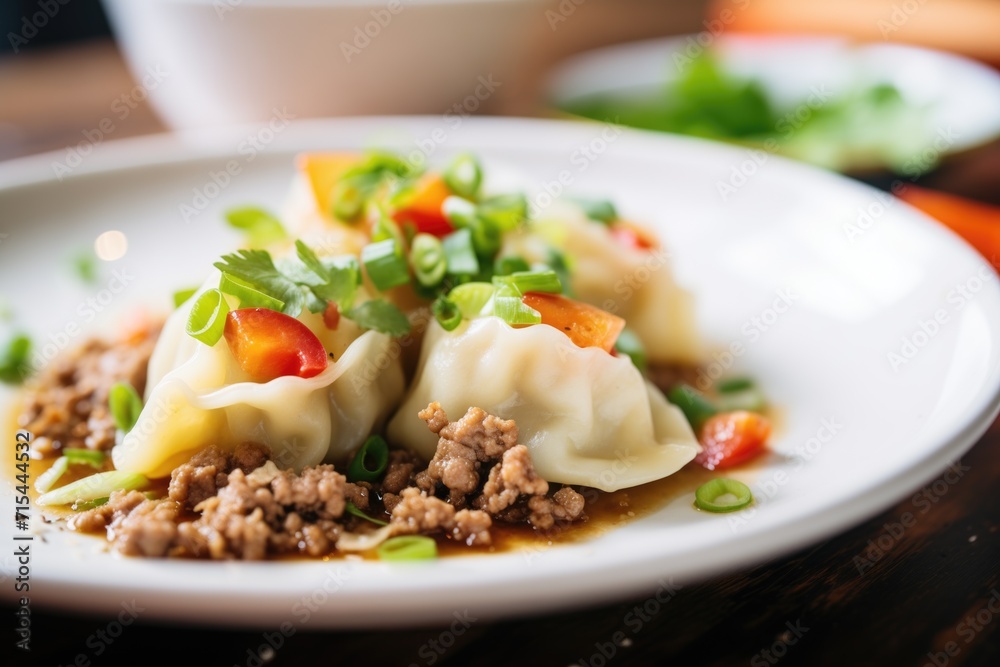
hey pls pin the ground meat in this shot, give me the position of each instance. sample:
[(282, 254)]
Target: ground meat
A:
[(514, 476), (67, 404), (135, 525), (463, 447), (565, 505), (208, 471), (419, 513)]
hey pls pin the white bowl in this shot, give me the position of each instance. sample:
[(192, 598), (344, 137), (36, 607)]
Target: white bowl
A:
[(215, 62)]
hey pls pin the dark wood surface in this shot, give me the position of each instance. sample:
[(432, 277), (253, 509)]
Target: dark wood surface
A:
[(927, 594)]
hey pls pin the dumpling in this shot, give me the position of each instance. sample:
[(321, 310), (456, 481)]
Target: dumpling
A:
[(198, 396), (637, 285), (586, 416)]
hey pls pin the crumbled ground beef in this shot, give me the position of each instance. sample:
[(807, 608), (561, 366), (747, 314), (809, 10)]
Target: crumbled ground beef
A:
[(244, 507), (67, 404)]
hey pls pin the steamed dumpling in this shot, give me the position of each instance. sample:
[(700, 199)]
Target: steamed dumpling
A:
[(587, 417), (198, 396), (636, 285)]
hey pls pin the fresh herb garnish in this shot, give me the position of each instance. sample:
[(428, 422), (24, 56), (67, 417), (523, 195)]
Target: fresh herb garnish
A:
[(370, 462), (14, 366), (261, 228), (380, 315), (125, 404)]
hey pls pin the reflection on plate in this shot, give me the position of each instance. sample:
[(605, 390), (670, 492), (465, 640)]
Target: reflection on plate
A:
[(879, 347)]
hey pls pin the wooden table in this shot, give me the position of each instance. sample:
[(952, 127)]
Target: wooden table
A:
[(919, 596)]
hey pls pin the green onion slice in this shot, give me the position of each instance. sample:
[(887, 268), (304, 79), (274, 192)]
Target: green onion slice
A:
[(464, 176), (751, 399), (249, 296), (14, 360), (531, 281), (508, 306), (460, 254), (504, 266), (731, 385), (89, 457), (428, 260), (506, 212), (460, 212), (471, 298), (351, 508), (722, 495), (695, 406), (181, 296), (369, 464), (125, 405), (446, 313), (408, 547), (208, 317), (600, 210), (385, 264), (49, 478), (98, 485), (81, 505)]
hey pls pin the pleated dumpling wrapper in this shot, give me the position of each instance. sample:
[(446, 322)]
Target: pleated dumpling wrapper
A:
[(198, 396), (586, 416)]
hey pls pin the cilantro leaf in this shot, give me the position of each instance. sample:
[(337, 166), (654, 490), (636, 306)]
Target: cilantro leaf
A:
[(257, 268), (380, 315), (261, 228), (339, 277)]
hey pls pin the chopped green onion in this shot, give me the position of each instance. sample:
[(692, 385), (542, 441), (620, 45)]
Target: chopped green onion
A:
[(49, 478), (428, 260), (459, 253), (82, 505), (733, 385), (386, 228), (600, 210), (629, 344), (505, 212), (261, 228), (384, 162), (751, 399), (350, 195), (85, 265), (695, 406), (446, 313), (531, 281), (408, 547), (249, 296), (181, 296), (380, 315), (351, 508), (89, 457), (96, 486), (504, 266), (385, 264), (14, 366), (370, 461), (460, 212), (508, 306), (208, 317), (471, 298), (722, 495), (486, 237), (464, 176), (125, 404)]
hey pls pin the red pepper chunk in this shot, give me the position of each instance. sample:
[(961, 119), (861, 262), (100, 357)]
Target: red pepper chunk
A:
[(424, 207), (268, 344), (732, 438)]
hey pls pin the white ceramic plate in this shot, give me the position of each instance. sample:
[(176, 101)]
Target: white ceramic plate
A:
[(858, 433), (962, 96)]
